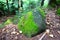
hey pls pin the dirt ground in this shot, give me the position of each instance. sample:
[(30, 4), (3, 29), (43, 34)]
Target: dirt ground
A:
[(10, 32)]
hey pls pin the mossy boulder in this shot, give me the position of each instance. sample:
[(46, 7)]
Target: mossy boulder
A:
[(31, 23)]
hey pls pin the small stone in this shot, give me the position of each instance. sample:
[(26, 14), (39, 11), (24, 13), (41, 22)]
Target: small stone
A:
[(58, 32), (51, 35), (3, 30), (53, 15), (51, 25), (14, 29), (47, 31), (20, 31), (57, 24), (13, 32), (16, 37), (47, 22), (17, 33), (7, 31)]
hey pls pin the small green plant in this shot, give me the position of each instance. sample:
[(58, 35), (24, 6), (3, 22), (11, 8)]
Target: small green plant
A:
[(2, 25), (58, 11), (8, 22)]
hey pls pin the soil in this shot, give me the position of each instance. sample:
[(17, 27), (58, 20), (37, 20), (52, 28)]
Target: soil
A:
[(10, 32)]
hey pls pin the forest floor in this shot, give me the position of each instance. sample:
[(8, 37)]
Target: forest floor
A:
[(10, 32)]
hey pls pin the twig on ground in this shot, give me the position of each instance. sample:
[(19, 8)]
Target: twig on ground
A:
[(46, 32)]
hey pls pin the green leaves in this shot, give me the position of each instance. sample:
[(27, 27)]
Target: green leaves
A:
[(30, 4), (8, 8), (58, 11), (13, 5), (3, 1), (58, 1), (46, 2)]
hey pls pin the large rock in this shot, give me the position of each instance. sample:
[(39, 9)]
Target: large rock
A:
[(31, 23)]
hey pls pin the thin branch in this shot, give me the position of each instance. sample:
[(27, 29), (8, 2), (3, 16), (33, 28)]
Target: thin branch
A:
[(42, 36)]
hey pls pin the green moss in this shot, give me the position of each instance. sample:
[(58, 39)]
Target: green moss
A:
[(27, 25), (58, 11), (42, 13)]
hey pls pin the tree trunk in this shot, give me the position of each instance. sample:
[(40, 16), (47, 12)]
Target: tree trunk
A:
[(8, 7)]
